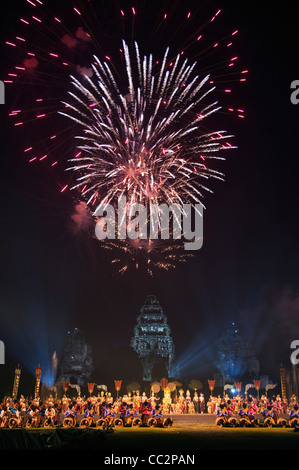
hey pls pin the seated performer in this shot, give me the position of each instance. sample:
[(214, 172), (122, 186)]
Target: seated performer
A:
[(50, 416), (294, 416), (15, 419), (123, 412), (252, 409), (70, 414), (89, 413), (130, 414), (269, 415), (246, 414), (33, 417), (2, 416), (109, 414), (145, 413), (222, 415), (5, 415), (101, 410), (157, 414), (221, 410)]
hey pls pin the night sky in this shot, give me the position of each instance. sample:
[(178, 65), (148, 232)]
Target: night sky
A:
[(247, 270)]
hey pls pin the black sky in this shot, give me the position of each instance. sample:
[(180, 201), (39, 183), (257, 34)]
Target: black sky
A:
[(247, 269)]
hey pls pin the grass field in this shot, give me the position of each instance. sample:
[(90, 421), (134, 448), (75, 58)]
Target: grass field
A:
[(180, 438), (202, 437)]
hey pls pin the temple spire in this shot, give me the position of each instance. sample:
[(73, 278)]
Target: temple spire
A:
[(152, 339)]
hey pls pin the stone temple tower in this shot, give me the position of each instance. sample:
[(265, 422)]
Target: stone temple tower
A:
[(236, 357), (76, 363), (152, 340)]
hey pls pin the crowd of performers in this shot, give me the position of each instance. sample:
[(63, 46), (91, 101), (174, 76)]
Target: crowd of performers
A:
[(101, 411), (139, 410), (258, 412)]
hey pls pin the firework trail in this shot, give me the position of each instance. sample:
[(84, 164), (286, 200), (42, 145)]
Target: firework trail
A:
[(146, 145), (134, 126)]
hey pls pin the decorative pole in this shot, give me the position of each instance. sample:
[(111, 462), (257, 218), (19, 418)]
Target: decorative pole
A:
[(65, 386), (90, 388), (211, 386), (238, 386), (38, 373), (117, 386), (283, 382), (257, 384), (16, 383)]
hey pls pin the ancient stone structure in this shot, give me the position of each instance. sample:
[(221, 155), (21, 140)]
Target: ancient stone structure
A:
[(236, 357), (76, 363), (152, 339)]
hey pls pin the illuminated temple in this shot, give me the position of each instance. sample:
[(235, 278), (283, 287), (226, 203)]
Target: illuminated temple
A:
[(76, 363), (152, 340), (236, 357)]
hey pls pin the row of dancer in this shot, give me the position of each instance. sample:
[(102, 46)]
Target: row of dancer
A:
[(105, 415), (250, 414)]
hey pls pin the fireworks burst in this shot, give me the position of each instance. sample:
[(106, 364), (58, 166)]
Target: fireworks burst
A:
[(145, 255), (138, 129), (146, 145)]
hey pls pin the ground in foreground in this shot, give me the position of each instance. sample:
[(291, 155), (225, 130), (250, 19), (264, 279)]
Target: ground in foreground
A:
[(180, 438)]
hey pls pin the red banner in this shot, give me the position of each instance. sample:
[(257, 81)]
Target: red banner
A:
[(211, 384), (238, 386), (65, 386), (90, 388), (257, 384), (117, 384)]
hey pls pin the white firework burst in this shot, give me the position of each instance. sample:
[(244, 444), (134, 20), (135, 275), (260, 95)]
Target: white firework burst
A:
[(142, 137)]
